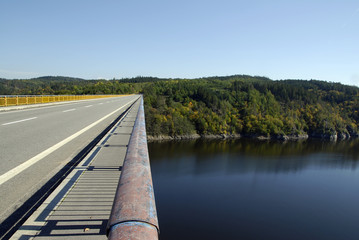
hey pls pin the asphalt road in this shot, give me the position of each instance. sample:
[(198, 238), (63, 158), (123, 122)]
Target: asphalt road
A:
[(36, 143)]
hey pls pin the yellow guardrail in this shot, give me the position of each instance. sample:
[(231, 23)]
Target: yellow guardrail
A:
[(25, 100)]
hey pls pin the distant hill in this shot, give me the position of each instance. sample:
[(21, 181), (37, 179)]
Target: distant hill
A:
[(57, 79)]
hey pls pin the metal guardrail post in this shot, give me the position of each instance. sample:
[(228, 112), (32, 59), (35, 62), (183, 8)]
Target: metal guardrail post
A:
[(134, 214)]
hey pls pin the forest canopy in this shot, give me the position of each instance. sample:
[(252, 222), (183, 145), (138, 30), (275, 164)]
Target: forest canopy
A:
[(239, 104)]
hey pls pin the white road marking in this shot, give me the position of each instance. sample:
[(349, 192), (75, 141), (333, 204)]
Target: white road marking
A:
[(16, 170), (70, 110), (88, 106), (23, 120), (100, 103)]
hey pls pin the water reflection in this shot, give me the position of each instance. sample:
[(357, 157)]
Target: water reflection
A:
[(244, 189), (201, 157)]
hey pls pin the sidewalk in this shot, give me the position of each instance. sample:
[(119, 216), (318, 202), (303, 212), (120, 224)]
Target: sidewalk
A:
[(80, 207)]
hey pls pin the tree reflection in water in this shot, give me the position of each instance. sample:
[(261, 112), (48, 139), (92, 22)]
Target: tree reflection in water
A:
[(243, 189)]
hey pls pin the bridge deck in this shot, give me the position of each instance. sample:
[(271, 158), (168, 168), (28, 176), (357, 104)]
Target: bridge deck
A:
[(80, 207)]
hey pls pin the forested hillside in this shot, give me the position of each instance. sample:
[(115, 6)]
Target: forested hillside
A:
[(223, 106)]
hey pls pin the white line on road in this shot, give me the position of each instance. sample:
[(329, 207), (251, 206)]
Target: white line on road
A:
[(16, 170), (70, 110), (100, 103), (23, 120), (89, 106)]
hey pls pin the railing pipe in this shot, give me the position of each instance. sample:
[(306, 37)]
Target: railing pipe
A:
[(133, 214)]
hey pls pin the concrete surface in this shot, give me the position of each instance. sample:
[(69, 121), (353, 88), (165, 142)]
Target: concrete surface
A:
[(80, 207), (24, 140)]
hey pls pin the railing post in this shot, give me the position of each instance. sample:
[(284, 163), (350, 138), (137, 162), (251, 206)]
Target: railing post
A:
[(134, 214), (5, 101)]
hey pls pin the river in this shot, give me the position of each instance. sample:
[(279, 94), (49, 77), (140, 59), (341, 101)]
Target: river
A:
[(244, 189)]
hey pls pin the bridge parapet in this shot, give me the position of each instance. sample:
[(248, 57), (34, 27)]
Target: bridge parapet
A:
[(133, 214), (79, 208)]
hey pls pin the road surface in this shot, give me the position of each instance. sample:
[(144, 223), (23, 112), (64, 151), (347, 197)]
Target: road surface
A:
[(36, 143)]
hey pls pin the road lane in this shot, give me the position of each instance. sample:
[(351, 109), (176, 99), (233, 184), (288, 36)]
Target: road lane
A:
[(18, 169), (48, 126), (20, 142), (45, 108)]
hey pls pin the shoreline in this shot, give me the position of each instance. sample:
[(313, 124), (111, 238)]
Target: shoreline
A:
[(279, 137)]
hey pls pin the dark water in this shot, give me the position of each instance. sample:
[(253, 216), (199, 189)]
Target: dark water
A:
[(256, 190)]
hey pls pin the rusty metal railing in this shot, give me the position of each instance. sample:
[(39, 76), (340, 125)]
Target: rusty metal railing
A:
[(133, 214)]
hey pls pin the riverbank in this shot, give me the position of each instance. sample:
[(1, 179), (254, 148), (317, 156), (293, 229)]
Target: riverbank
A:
[(279, 137)]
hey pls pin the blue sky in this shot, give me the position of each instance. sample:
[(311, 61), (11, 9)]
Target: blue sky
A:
[(91, 39)]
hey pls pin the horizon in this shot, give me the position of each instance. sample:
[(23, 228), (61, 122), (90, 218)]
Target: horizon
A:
[(280, 40), (177, 78)]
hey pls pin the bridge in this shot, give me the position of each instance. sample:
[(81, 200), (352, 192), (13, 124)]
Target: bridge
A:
[(60, 169)]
